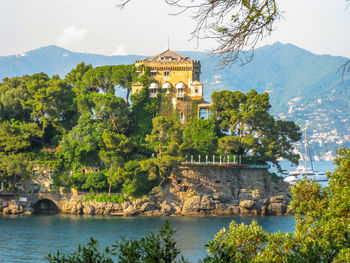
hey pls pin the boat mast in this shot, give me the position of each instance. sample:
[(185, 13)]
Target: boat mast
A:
[(306, 155)]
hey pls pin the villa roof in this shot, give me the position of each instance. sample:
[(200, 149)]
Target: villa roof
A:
[(204, 103), (196, 82), (137, 84), (167, 55)]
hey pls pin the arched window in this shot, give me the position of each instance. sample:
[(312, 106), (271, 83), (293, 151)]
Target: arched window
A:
[(182, 117)]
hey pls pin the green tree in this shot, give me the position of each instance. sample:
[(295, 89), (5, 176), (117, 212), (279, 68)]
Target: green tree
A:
[(80, 147), (100, 79), (165, 137), (144, 109), (77, 73), (90, 253), (12, 166), (51, 101), (106, 78), (114, 155), (200, 137), (125, 75), (154, 248), (112, 111), (246, 119), (13, 94), (16, 136), (81, 90), (159, 247), (16, 140)]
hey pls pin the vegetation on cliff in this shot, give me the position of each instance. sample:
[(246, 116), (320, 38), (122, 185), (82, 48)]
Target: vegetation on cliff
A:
[(98, 142)]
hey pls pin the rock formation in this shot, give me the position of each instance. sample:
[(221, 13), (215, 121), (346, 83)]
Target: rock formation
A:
[(201, 190)]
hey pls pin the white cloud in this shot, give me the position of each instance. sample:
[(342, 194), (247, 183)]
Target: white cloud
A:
[(71, 34), (120, 51)]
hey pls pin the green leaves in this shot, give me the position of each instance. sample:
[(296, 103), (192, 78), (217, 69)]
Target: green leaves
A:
[(17, 136), (50, 101), (159, 247), (112, 111), (246, 118), (88, 254), (165, 136), (200, 137), (154, 248), (240, 243)]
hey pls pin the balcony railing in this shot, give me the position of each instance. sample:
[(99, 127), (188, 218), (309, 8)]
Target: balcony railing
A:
[(153, 95)]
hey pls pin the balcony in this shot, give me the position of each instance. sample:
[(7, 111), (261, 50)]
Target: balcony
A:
[(180, 95), (153, 95)]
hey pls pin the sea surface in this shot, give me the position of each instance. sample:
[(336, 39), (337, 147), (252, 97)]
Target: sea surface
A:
[(31, 238)]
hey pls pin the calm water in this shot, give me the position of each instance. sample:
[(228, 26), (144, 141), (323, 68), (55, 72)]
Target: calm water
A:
[(31, 238)]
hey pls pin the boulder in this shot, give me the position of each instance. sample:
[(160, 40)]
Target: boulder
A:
[(6, 211), (129, 210), (14, 208), (226, 198), (148, 206), (244, 194), (276, 209), (196, 204), (165, 208), (89, 210), (28, 211), (247, 204), (278, 199)]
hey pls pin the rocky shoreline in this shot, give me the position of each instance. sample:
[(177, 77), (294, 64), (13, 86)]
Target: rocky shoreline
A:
[(190, 191), (198, 205)]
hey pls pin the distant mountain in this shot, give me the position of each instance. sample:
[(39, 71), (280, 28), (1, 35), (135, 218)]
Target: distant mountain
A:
[(54, 60), (303, 86)]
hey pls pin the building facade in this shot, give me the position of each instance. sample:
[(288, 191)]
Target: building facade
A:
[(177, 77)]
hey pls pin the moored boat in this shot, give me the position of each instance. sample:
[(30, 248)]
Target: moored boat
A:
[(303, 171)]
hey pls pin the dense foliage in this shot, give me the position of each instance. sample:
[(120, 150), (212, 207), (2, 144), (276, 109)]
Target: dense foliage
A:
[(154, 248), (101, 143)]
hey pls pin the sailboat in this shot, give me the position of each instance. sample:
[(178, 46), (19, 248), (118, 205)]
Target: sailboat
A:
[(303, 171)]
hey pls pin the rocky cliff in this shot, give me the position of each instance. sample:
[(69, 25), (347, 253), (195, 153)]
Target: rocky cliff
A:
[(195, 190)]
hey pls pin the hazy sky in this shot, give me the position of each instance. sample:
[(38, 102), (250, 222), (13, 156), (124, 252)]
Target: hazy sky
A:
[(143, 27)]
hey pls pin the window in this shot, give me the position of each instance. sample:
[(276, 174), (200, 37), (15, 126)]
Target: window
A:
[(153, 73), (35, 172), (203, 113), (52, 187), (182, 117), (166, 73), (137, 91), (196, 90), (35, 187), (51, 172)]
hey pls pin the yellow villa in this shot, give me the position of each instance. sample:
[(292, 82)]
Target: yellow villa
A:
[(178, 77)]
